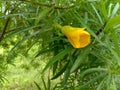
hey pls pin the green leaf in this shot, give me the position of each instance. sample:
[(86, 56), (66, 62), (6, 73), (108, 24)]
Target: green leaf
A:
[(116, 43), (93, 80), (24, 39), (42, 15), (113, 52), (44, 50), (21, 42), (21, 30), (76, 15), (80, 58), (60, 72), (105, 82), (111, 23), (110, 9), (108, 81), (67, 73), (57, 57), (96, 11), (55, 65), (44, 84), (114, 87), (103, 9), (99, 87), (15, 15), (115, 10), (38, 87), (92, 70), (48, 84)]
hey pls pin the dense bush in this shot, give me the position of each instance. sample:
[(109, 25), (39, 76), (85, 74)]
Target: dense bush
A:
[(26, 24)]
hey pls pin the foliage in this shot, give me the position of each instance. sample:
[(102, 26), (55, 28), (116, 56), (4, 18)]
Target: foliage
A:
[(32, 23)]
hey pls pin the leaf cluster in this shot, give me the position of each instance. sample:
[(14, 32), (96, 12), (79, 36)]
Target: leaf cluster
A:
[(32, 23)]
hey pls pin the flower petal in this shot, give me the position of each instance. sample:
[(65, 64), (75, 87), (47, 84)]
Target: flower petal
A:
[(76, 36)]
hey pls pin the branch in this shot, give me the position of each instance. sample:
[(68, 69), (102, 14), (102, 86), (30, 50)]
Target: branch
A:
[(6, 24), (4, 29), (49, 5), (101, 29)]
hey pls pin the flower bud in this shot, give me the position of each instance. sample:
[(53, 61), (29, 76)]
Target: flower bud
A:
[(78, 37)]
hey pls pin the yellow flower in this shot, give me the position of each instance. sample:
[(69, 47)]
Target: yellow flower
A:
[(78, 37)]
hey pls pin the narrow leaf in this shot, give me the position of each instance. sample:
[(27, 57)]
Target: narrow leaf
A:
[(60, 72), (101, 84), (92, 70), (24, 39), (58, 57), (21, 30), (116, 8), (108, 82), (44, 84), (55, 65), (38, 87), (49, 84), (93, 80), (67, 73), (111, 23), (103, 9), (44, 50), (116, 43), (96, 11), (80, 59), (114, 87)]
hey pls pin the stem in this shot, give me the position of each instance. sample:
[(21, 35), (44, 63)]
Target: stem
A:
[(49, 5), (57, 25), (101, 29), (4, 29), (6, 23)]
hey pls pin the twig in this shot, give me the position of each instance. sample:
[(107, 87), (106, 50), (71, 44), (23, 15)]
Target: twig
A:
[(101, 29), (5, 27), (6, 24), (49, 5)]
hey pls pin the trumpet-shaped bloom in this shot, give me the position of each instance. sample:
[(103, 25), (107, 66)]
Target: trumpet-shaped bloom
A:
[(78, 37)]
